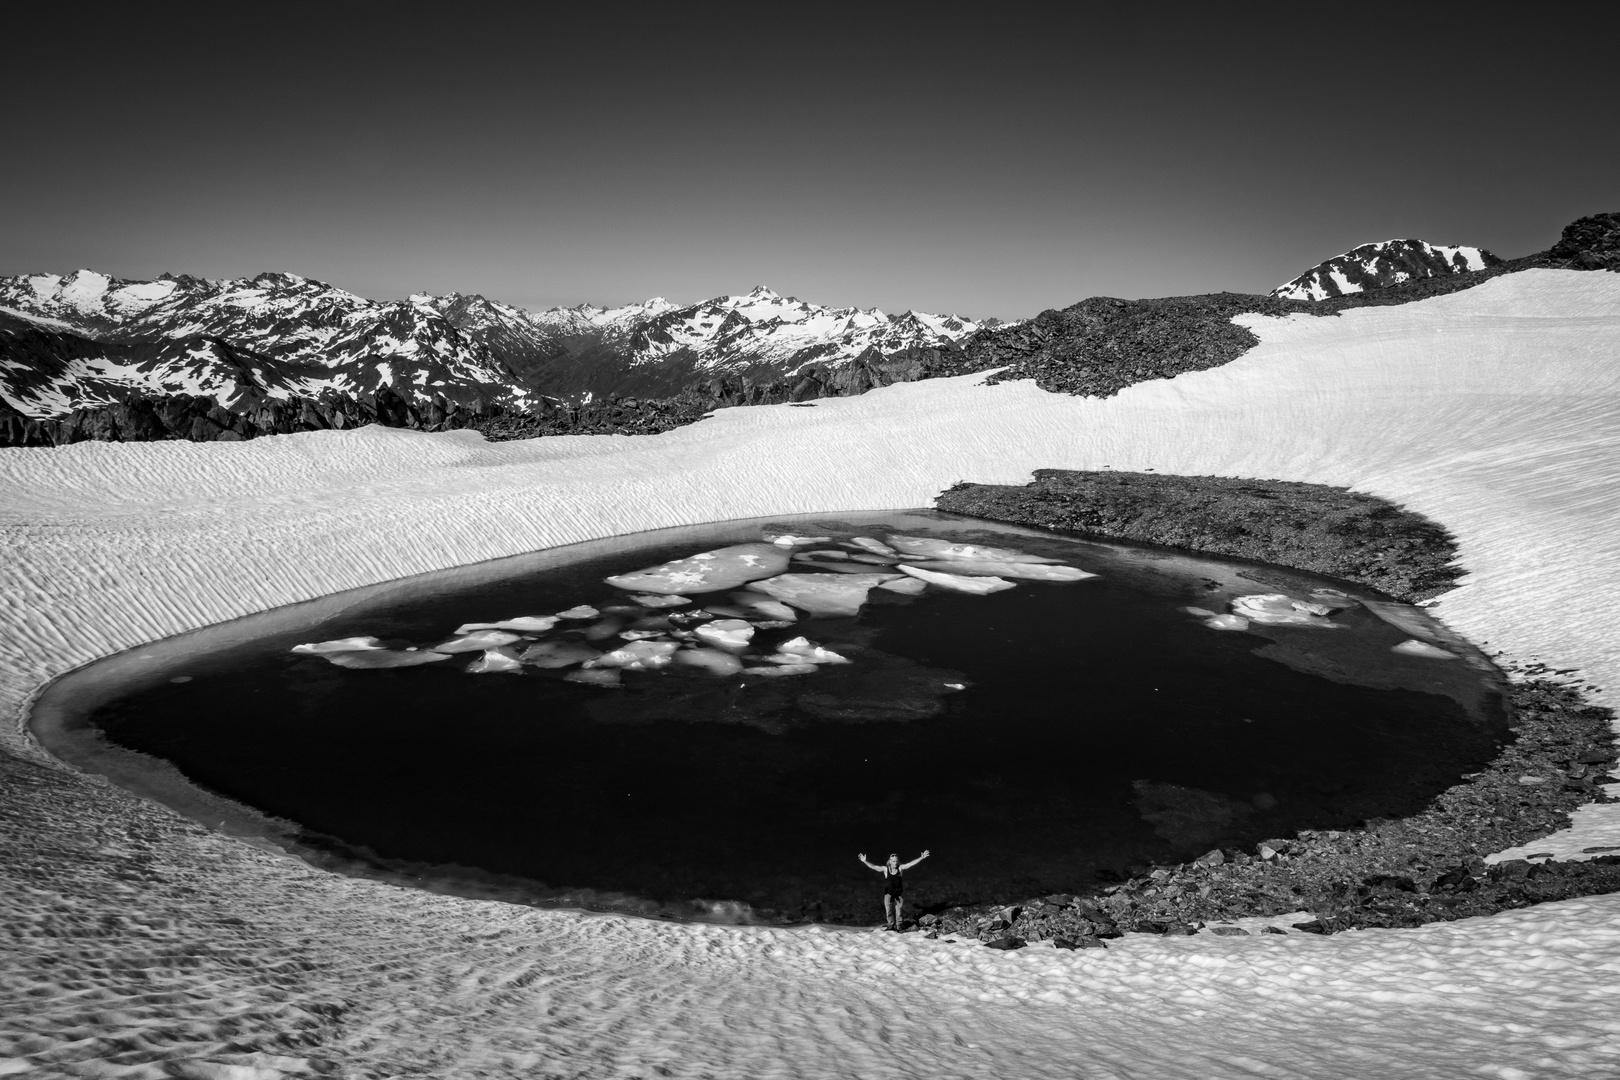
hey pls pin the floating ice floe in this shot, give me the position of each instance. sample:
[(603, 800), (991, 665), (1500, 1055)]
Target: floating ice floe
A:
[(759, 604), (707, 571), (978, 586), (655, 601), (594, 676), (840, 567), (732, 634), (928, 547), (637, 656), (789, 540), (782, 669), (866, 543), (1414, 647), (477, 641), (802, 650), (338, 645), (1227, 622), (906, 586), (386, 658), (493, 660), (1276, 609), (583, 611), (1003, 568), (714, 661), (525, 624), (822, 595), (605, 629), (558, 654)]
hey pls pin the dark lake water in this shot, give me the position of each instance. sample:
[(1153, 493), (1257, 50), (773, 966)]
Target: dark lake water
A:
[(1098, 726)]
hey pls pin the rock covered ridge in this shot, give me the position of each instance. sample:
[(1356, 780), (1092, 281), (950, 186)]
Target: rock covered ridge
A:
[(657, 348), (691, 360), (87, 339), (1380, 265), (66, 343)]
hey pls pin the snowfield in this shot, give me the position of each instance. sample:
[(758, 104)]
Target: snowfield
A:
[(145, 941)]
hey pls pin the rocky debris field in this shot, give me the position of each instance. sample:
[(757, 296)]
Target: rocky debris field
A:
[(1324, 530), (199, 418), (1417, 870)]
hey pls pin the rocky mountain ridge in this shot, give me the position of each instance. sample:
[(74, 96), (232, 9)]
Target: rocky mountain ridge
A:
[(65, 343), (1380, 265), (1096, 347)]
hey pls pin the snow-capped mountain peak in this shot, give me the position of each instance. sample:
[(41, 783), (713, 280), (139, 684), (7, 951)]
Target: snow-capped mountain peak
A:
[(1377, 266)]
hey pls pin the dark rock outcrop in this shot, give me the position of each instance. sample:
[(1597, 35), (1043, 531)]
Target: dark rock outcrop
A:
[(1590, 243), (202, 419), (1324, 530)]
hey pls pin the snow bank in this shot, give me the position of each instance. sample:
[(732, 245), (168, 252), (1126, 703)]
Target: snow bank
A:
[(1492, 410)]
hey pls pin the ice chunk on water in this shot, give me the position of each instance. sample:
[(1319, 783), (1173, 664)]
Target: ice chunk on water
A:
[(1276, 609), (583, 611), (637, 656), (605, 629), (477, 641), (594, 676), (715, 661), (726, 633), (1414, 647), (338, 645), (558, 654), (653, 601), (1202, 613), (801, 650), (758, 603), (928, 547), (784, 669), (789, 540), (386, 658), (1002, 568), (1227, 622), (906, 586), (526, 624), (503, 659), (876, 547), (822, 595), (850, 567), (979, 586), (707, 571)]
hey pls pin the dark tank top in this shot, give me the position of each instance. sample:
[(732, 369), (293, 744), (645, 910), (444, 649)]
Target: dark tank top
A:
[(893, 885)]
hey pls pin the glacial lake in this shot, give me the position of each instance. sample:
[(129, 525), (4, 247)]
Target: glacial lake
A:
[(1046, 737)]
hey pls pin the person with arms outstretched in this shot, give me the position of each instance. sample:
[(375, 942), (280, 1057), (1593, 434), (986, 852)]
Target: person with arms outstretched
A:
[(893, 885)]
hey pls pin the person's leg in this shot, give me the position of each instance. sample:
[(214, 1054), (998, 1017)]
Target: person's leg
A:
[(899, 905), (888, 910)]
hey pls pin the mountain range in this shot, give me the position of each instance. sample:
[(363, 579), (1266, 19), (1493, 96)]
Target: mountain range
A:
[(86, 355), (85, 339)]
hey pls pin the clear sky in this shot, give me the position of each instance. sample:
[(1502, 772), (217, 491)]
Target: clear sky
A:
[(968, 159)]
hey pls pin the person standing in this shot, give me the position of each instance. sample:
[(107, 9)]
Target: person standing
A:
[(894, 885)]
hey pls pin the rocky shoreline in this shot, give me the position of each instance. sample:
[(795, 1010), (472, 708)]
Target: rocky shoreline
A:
[(1406, 872)]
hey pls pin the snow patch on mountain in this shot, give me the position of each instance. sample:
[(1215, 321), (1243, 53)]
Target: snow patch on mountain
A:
[(154, 337), (1377, 266)]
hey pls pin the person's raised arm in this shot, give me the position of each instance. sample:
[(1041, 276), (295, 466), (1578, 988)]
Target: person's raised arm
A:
[(869, 866), (914, 862)]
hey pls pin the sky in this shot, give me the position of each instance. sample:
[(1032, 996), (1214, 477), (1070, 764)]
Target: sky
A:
[(935, 158)]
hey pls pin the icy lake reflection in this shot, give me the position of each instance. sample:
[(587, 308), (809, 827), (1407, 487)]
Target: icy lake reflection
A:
[(717, 721)]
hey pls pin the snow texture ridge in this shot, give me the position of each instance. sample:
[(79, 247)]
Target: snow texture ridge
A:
[(1494, 411), (1376, 266)]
